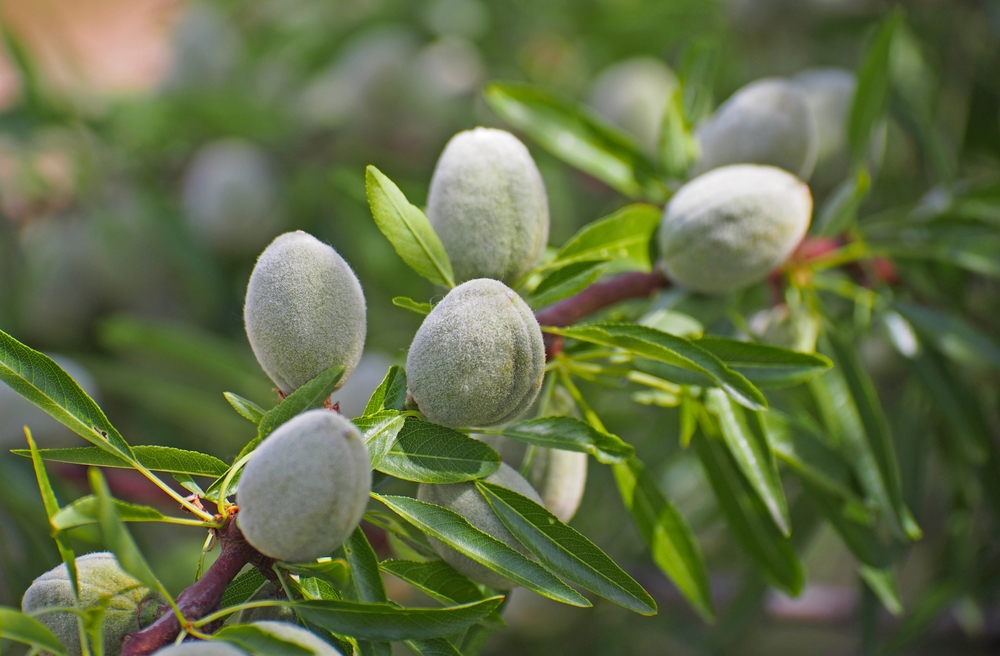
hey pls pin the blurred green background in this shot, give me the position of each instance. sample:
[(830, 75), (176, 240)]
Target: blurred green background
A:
[(150, 149)]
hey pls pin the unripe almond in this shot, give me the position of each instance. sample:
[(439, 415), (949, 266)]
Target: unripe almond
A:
[(305, 488), (728, 228), (633, 94), (768, 121), (487, 203), (100, 576), (304, 312), (466, 500), (478, 359), (297, 635), (201, 648)]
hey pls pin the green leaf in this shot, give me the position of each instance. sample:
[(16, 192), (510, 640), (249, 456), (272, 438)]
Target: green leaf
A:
[(407, 229), (383, 622), (749, 518), (366, 580), (678, 147), (667, 534), (404, 532), (433, 647), (16, 626), (380, 431), (565, 551), (570, 434), (747, 443), (436, 578), (311, 395), (872, 95), (258, 641), (766, 366), (246, 408), (885, 586), (840, 210), (334, 571), (36, 377), (242, 588), (428, 453), (152, 457), (574, 134), (453, 530), (863, 542), (952, 335), (411, 305), (622, 237), (86, 510), (390, 394), (566, 281), (647, 342)]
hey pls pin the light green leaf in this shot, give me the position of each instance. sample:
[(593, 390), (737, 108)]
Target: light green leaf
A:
[(383, 622), (574, 134), (36, 377), (246, 408), (411, 305), (667, 534), (566, 551), (259, 642), (566, 281), (570, 434), (86, 510), (436, 578), (390, 394), (885, 586), (16, 626), (747, 442), (155, 458), (311, 395), (749, 518), (622, 237), (428, 453), (678, 148), (452, 529), (840, 210), (380, 431), (766, 366), (656, 345), (407, 229), (872, 95)]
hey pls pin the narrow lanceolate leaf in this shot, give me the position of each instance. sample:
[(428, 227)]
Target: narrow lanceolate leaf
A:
[(749, 518), (383, 622), (436, 578), (242, 588), (840, 210), (380, 431), (872, 95), (428, 453), (411, 305), (657, 345), (874, 442), (433, 647), (245, 407), (667, 534), (577, 136), (407, 535), (16, 626), (747, 442), (86, 510), (952, 335), (570, 434), (622, 237), (565, 551), (36, 377), (766, 366), (311, 395), (117, 538), (390, 394), (256, 640), (152, 457), (566, 281), (366, 580), (407, 229), (863, 541), (883, 583), (452, 529)]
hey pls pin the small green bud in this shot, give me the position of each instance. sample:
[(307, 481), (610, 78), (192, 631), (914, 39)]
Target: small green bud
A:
[(293, 633), (487, 203), (305, 311), (478, 358), (268, 591), (633, 94), (305, 488), (766, 122), (466, 500), (728, 228), (100, 576), (201, 648)]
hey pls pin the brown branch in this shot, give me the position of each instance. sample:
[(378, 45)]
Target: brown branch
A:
[(597, 297), (202, 597)]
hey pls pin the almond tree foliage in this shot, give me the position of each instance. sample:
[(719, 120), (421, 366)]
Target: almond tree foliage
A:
[(788, 440)]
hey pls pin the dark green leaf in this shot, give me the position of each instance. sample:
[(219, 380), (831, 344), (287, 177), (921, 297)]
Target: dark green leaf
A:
[(154, 458), (840, 211), (311, 395), (766, 366), (390, 394), (437, 578), (622, 237), (952, 334), (433, 647), (366, 581), (407, 229), (872, 95), (883, 583), (242, 588), (411, 305), (407, 535), (570, 434), (246, 408), (862, 540), (428, 453), (16, 626), (566, 281), (260, 642)]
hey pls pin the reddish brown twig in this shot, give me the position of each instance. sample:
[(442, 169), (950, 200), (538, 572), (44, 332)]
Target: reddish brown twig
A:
[(203, 596), (597, 297)]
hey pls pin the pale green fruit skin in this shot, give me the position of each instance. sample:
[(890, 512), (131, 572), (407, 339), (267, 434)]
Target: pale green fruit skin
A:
[(269, 591), (305, 488), (728, 228), (305, 311), (201, 648), (298, 635), (768, 121), (487, 203), (829, 92), (478, 359), (632, 94), (99, 575), (466, 500)]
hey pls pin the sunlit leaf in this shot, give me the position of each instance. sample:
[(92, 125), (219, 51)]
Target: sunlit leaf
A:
[(427, 453)]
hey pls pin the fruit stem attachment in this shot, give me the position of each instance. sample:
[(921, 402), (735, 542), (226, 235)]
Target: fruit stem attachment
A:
[(597, 297)]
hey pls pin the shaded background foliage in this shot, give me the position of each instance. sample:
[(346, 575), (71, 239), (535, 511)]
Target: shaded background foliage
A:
[(99, 261)]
